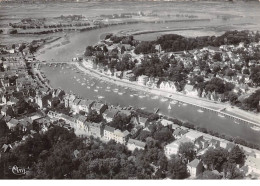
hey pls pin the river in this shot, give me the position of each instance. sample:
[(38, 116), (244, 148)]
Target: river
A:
[(240, 16)]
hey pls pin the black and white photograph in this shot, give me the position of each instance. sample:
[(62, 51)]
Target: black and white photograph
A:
[(130, 90)]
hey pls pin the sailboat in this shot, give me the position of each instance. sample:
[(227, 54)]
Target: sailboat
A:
[(169, 107)]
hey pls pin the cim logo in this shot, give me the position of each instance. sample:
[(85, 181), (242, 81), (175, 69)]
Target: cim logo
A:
[(18, 171)]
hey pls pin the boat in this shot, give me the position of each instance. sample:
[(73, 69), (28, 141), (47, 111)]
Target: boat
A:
[(83, 84), (184, 104), (120, 93), (173, 102), (143, 108), (236, 121), (141, 96), (100, 97), (221, 115), (255, 128), (199, 110), (131, 95), (96, 90), (169, 107), (163, 99)]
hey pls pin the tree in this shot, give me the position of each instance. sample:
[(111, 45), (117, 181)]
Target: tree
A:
[(93, 116), (237, 155), (123, 49), (215, 158), (176, 168), (89, 51), (121, 122), (187, 151), (255, 75), (231, 171), (208, 175)]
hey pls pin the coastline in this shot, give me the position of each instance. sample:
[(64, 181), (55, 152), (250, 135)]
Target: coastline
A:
[(248, 118)]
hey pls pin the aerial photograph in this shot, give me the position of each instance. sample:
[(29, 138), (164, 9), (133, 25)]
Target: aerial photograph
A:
[(130, 90)]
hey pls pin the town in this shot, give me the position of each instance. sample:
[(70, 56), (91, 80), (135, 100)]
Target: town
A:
[(129, 90), (31, 108)]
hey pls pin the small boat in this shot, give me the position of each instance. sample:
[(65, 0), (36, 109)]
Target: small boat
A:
[(221, 115), (96, 90), (184, 104), (141, 96), (120, 93), (169, 107), (163, 99), (100, 97), (236, 122), (83, 84), (131, 95), (143, 108), (173, 102), (255, 128), (199, 110)]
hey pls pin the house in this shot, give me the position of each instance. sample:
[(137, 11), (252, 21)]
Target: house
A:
[(7, 110), (195, 167), (117, 135), (142, 121), (53, 101), (80, 120), (165, 122), (85, 105), (178, 133), (173, 148), (75, 105), (189, 90), (68, 100), (109, 133), (5, 148), (99, 107), (163, 85), (133, 144), (142, 80), (95, 129), (252, 166), (12, 123), (194, 136), (58, 93), (110, 113)]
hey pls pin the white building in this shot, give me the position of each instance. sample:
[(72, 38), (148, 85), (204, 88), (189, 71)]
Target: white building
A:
[(142, 80)]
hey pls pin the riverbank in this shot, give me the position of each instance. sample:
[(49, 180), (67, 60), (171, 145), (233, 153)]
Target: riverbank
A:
[(217, 107)]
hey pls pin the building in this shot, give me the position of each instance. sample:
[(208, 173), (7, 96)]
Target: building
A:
[(68, 100), (94, 129), (117, 135), (110, 113), (99, 107), (194, 135), (133, 144), (12, 124), (142, 80), (173, 148), (80, 120), (195, 167), (179, 132)]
